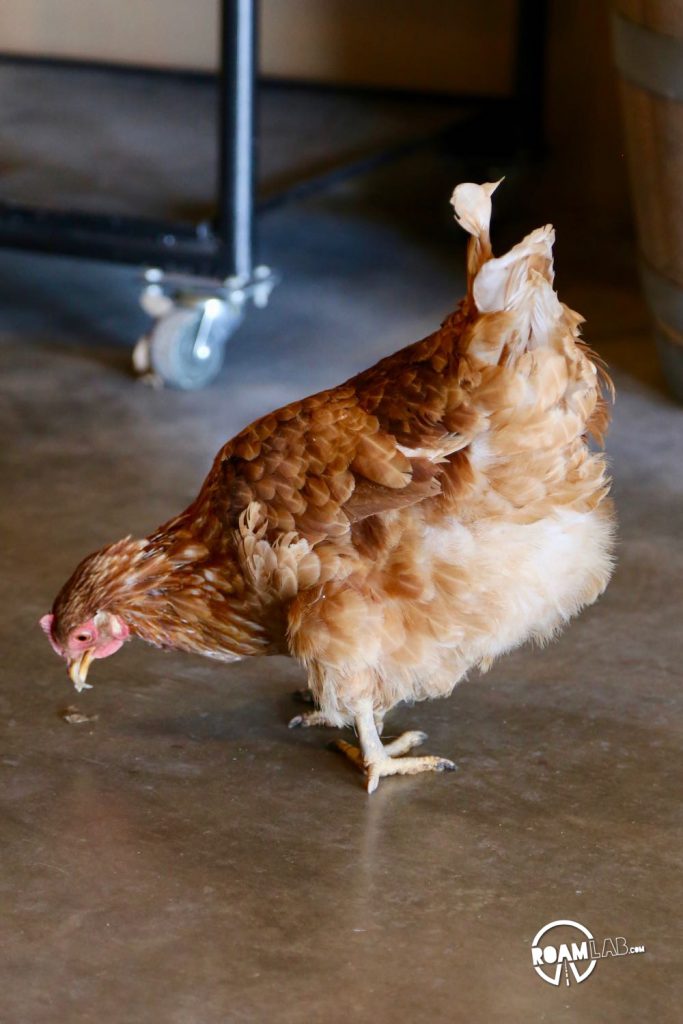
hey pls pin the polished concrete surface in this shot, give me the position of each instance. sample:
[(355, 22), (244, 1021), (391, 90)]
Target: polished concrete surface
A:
[(184, 857)]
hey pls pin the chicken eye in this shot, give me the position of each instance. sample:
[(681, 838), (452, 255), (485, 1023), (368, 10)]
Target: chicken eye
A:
[(83, 637)]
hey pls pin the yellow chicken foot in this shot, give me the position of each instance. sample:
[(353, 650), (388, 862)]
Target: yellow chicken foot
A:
[(401, 745), (379, 761)]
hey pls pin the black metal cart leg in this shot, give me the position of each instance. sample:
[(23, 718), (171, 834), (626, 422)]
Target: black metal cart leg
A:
[(195, 318), (236, 182), (530, 70)]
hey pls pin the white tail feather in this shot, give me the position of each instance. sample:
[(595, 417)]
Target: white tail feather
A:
[(472, 205), (519, 283)]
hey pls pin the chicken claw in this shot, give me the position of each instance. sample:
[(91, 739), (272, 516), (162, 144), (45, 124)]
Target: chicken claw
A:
[(307, 719), (403, 743), (389, 762), (406, 766)]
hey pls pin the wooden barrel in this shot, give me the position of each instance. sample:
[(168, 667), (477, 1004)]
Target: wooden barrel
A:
[(648, 47)]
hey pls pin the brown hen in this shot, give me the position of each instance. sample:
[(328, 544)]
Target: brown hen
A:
[(393, 532)]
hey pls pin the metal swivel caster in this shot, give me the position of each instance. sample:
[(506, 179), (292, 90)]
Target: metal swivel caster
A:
[(185, 346)]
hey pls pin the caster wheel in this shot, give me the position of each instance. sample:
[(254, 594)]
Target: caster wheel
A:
[(186, 345)]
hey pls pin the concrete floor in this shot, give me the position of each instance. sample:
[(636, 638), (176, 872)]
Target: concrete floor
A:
[(187, 859)]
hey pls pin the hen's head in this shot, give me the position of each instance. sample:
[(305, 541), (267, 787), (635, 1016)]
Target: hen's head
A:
[(87, 620)]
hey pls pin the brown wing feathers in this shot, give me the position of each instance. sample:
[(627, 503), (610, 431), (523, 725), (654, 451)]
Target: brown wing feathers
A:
[(325, 463)]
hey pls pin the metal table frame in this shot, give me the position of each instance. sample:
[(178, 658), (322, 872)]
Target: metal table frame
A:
[(200, 278), (212, 250), (224, 247)]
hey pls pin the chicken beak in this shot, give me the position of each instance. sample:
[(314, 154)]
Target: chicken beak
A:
[(78, 670)]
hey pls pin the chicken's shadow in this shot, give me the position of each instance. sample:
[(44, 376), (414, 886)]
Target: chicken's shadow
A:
[(260, 716)]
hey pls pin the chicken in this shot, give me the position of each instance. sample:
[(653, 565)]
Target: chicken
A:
[(396, 531)]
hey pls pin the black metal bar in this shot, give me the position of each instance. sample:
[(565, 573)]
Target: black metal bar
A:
[(271, 81), (455, 136), (109, 67), (234, 222), (120, 239), (530, 67)]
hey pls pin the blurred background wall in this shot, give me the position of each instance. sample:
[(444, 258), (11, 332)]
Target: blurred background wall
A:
[(434, 45)]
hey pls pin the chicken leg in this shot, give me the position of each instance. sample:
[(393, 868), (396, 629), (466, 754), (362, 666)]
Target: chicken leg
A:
[(378, 760)]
